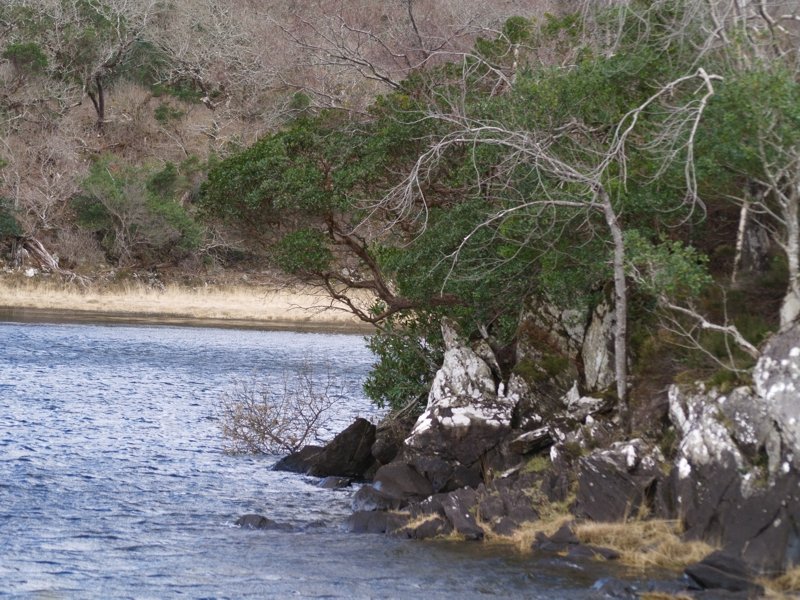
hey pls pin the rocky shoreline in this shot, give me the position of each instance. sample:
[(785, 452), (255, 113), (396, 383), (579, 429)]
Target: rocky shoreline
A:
[(494, 453)]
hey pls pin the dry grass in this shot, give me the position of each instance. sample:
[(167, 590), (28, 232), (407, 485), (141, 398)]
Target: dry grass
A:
[(253, 304), (785, 586), (645, 544), (525, 534)]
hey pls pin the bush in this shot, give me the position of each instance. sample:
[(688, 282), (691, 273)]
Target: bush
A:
[(260, 417), (9, 226)]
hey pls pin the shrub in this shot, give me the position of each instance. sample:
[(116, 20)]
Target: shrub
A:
[(257, 416)]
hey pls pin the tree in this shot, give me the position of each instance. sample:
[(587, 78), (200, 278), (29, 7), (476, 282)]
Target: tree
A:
[(572, 165)]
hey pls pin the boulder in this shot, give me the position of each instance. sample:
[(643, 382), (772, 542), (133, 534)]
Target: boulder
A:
[(375, 522), (734, 480), (720, 570), (298, 462), (427, 528), (401, 481), (444, 475), (369, 499), (777, 384), (614, 483), (348, 454), (458, 509), (466, 414), (579, 407), (388, 443), (532, 442)]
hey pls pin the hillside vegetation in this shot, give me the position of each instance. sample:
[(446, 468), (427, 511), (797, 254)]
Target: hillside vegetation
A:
[(455, 163)]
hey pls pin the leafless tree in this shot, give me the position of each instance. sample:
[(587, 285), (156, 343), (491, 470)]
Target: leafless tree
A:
[(282, 416)]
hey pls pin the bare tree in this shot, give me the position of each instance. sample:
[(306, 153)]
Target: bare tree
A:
[(279, 417)]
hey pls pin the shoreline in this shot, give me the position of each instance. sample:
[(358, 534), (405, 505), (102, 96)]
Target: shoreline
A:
[(224, 306)]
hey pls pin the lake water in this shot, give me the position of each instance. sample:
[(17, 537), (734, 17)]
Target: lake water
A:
[(114, 483)]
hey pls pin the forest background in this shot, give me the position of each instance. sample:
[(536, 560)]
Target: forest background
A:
[(447, 158)]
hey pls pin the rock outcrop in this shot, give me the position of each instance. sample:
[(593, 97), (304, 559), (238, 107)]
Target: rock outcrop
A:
[(618, 482), (467, 414), (735, 477), (346, 455)]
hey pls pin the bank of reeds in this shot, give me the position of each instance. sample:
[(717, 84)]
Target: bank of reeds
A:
[(257, 304)]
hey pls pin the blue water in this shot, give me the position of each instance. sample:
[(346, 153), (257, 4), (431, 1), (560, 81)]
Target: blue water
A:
[(114, 482)]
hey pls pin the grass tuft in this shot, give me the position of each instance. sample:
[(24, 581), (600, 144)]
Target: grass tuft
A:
[(785, 586), (645, 544)]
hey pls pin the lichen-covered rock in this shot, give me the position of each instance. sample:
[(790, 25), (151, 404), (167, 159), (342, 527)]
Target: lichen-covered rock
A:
[(579, 407), (466, 414), (777, 383), (734, 481), (704, 439), (598, 349), (532, 441), (615, 483)]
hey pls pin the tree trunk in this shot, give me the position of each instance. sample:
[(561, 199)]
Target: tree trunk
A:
[(98, 98), (740, 233), (791, 301), (620, 306)]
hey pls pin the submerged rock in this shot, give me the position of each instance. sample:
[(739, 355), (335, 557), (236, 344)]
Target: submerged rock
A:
[(254, 521), (334, 483), (298, 462)]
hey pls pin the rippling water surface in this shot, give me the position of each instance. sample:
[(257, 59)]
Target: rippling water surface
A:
[(113, 482)]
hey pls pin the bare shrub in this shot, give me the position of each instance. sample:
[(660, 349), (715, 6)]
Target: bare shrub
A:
[(260, 416)]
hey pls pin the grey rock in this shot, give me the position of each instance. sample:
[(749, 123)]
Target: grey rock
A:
[(777, 383), (532, 441), (348, 454), (429, 528), (369, 499), (598, 349), (254, 521), (724, 571), (466, 414), (457, 510), (333, 483), (401, 481), (375, 522), (615, 483), (298, 462)]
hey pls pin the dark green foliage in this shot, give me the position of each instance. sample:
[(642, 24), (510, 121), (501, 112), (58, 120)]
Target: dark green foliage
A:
[(499, 225), (26, 57), (9, 226), (304, 252), (409, 354), (165, 114), (135, 213)]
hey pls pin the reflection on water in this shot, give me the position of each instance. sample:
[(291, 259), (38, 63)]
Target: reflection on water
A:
[(113, 482)]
